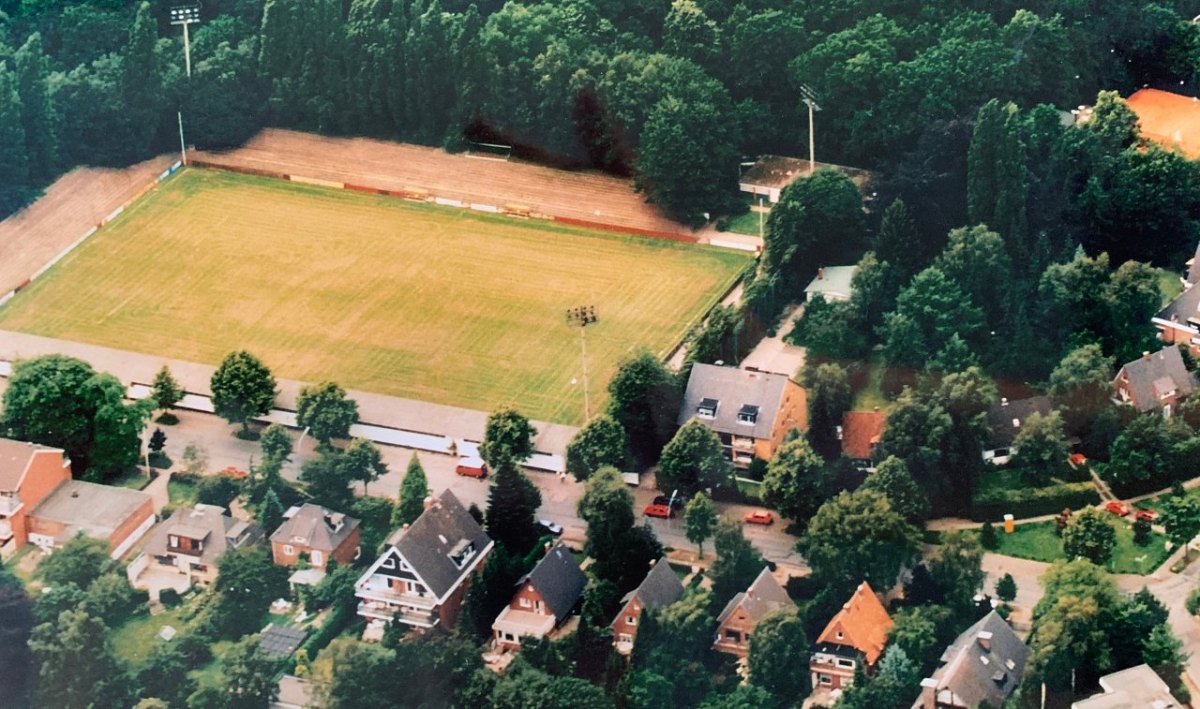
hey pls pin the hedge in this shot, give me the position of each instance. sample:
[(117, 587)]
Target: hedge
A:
[(339, 618), (1032, 502)]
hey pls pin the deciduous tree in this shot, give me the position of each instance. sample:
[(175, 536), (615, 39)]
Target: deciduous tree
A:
[(795, 482), (855, 537), (737, 564), (362, 462), (242, 388), (1181, 518), (599, 443), (957, 568), (1089, 535), (829, 396), (249, 675), (699, 520), (777, 647), (1040, 448), (246, 584), (165, 391), (326, 411), (508, 436), (694, 460), (892, 480), (644, 398), (78, 667)]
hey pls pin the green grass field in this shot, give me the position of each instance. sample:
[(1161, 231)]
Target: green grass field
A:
[(376, 293), (1039, 542)]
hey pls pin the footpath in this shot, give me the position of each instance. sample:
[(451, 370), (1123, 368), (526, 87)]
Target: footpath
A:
[(384, 419)]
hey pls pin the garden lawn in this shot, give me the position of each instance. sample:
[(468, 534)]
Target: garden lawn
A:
[(426, 302), (748, 223), (136, 639), (1038, 541)]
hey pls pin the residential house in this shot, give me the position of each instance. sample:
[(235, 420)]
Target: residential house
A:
[(736, 623), (855, 636), (1179, 322), (981, 667), (544, 598), (1137, 687), (28, 473), (316, 535), (749, 409), (1154, 382), (860, 432), (831, 283), (194, 538), (1004, 421), (423, 574), (661, 587), (117, 515), (1170, 120)]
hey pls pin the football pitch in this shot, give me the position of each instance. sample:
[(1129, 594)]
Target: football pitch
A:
[(376, 293)]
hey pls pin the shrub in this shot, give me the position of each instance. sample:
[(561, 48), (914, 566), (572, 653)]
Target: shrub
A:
[(1032, 502), (339, 618), (195, 648), (1193, 602), (1141, 532), (167, 419), (169, 597), (987, 536)]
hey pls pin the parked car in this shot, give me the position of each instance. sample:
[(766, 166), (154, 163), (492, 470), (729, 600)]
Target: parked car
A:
[(551, 527), (472, 467), (759, 517), (666, 501), (1148, 515), (235, 473), (1117, 507), (663, 511), (1077, 459)]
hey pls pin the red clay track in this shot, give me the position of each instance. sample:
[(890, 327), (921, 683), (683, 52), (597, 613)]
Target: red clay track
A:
[(76, 202), (379, 165)]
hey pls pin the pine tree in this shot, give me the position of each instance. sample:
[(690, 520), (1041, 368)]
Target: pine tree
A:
[(512, 502), (158, 439), (413, 491), (898, 241), (270, 512), (14, 164), (38, 116)]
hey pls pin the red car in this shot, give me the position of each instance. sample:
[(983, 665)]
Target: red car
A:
[(759, 517), (1148, 515), (1117, 507), (235, 473), (1077, 459), (659, 511), (471, 467)]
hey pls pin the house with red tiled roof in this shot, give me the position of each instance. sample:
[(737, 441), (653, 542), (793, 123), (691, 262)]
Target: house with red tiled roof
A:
[(855, 636), (1170, 120), (860, 433), (28, 474)]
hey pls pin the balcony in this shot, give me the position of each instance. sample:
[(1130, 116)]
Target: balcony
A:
[(743, 444), (408, 616), (386, 594), (9, 504)]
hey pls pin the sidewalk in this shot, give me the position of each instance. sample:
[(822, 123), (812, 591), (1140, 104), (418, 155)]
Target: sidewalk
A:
[(404, 415)]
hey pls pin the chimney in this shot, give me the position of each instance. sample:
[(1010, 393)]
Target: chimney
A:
[(428, 501), (821, 273), (985, 640), (928, 694), (1146, 356), (1004, 401)]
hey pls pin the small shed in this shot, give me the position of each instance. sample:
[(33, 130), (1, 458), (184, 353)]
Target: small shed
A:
[(832, 282)]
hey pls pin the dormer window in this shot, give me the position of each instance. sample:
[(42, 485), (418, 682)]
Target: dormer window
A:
[(707, 408), (462, 552), (748, 415)]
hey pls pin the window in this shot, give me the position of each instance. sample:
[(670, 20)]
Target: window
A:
[(631, 620), (1000, 453), (173, 540), (824, 679), (748, 415), (524, 602), (461, 552), (624, 638), (707, 408), (388, 563), (848, 664), (840, 635), (732, 635), (288, 549), (318, 559)]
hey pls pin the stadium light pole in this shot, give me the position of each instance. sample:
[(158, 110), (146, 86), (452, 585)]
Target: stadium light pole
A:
[(810, 99), (581, 317), (186, 15)]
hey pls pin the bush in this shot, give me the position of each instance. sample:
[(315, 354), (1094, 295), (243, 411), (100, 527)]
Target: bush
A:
[(160, 460), (1141, 532), (339, 618), (167, 419), (722, 224), (1032, 502), (169, 597), (195, 647), (987, 536), (247, 434), (1193, 602)]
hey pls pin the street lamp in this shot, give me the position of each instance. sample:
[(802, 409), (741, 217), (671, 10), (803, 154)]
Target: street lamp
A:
[(186, 15), (810, 99), (581, 317)]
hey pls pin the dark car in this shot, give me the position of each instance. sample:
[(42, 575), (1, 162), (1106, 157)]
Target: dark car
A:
[(666, 502)]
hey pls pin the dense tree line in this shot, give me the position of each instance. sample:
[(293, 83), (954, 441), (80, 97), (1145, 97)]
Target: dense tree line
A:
[(669, 91)]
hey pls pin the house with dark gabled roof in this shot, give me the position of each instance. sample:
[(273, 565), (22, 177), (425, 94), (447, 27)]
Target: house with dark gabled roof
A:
[(1179, 322), (1004, 422), (981, 667), (1154, 382), (544, 599), (736, 623), (855, 636), (316, 535), (750, 410), (661, 587), (423, 574)]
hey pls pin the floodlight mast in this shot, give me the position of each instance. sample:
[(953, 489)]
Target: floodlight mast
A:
[(186, 15), (810, 99), (581, 317)]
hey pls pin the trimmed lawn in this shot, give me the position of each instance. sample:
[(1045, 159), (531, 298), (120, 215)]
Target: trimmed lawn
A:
[(180, 493), (134, 479), (426, 302), (137, 639), (1168, 283), (999, 480), (747, 224), (1038, 541), (871, 395)]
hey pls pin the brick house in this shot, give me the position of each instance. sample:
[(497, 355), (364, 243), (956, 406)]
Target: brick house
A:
[(749, 409), (860, 432), (856, 635), (736, 623), (544, 598), (316, 535), (661, 587), (1179, 322), (1154, 382), (193, 539), (423, 574), (28, 474), (1004, 421), (117, 515), (981, 667)]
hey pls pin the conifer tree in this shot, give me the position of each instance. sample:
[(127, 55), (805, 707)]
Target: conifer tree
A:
[(512, 502), (413, 491)]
